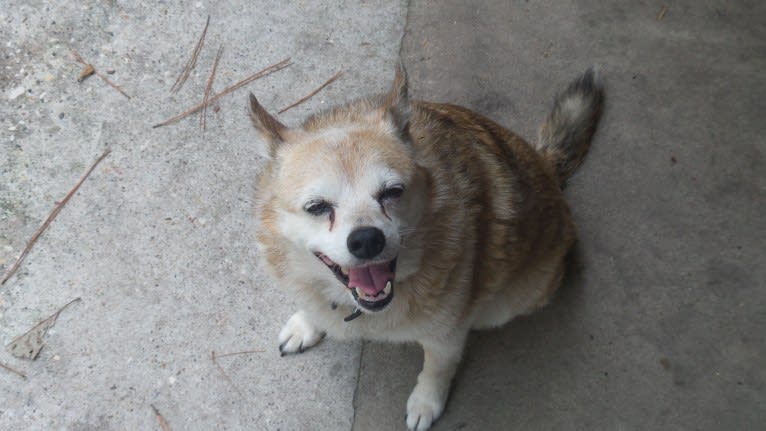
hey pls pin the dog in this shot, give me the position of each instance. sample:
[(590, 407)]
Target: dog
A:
[(397, 220)]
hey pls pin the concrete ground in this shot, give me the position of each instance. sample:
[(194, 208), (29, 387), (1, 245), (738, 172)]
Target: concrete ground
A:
[(660, 324)]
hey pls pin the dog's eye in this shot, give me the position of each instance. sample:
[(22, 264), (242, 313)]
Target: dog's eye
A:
[(394, 192), (317, 208)]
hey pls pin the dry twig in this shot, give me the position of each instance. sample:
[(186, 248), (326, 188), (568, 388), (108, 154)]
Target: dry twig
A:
[(161, 419), (267, 71), (225, 376), (317, 90), (50, 218), (244, 352), (209, 88), (90, 69), (17, 372), (662, 12), (189, 66)]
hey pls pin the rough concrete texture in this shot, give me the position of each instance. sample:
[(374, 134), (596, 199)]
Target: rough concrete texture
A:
[(661, 322), (659, 325), (158, 243)]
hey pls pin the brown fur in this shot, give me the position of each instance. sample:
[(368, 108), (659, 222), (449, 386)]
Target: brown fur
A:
[(491, 227), (495, 183)]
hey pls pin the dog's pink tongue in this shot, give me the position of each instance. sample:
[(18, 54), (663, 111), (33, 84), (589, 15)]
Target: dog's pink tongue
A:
[(370, 279)]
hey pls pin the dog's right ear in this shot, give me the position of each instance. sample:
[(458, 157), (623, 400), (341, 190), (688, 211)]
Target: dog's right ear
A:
[(397, 102), (273, 132)]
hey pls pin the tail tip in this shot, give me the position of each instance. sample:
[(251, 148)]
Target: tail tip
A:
[(565, 136), (590, 83)]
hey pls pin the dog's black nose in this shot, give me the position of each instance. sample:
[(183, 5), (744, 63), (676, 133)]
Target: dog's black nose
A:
[(366, 242)]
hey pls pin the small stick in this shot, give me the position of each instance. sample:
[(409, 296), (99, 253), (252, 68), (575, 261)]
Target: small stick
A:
[(310, 95), (209, 88), (244, 352), (225, 376), (89, 67), (19, 373), (267, 71), (50, 218), (662, 12), (115, 86), (189, 66), (63, 307), (161, 419)]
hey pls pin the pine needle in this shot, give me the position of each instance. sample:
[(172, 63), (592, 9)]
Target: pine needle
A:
[(267, 71), (55, 212), (313, 93)]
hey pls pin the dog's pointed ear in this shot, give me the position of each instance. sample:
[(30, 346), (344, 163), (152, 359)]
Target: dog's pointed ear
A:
[(273, 132), (397, 101)]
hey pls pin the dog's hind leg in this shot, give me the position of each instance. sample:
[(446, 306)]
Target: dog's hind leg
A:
[(298, 334), (440, 360)]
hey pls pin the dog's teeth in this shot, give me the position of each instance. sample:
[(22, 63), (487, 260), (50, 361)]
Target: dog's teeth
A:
[(344, 270), (387, 289)]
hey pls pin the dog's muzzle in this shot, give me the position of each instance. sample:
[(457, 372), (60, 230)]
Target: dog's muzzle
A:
[(371, 286)]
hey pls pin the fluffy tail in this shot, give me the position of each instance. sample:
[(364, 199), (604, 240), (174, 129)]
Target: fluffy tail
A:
[(565, 136)]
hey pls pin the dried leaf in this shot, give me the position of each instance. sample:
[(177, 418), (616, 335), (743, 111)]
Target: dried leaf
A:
[(28, 345), (87, 71)]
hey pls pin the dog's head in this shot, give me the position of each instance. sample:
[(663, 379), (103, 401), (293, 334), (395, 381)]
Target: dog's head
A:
[(347, 190)]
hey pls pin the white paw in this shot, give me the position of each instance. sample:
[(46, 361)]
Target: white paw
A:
[(425, 405), (298, 334)]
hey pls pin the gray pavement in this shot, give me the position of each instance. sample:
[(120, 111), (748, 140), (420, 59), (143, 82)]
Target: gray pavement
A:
[(660, 324), (158, 242)]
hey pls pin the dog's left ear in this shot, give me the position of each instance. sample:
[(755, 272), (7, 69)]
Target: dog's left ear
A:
[(274, 132), (397, 101)]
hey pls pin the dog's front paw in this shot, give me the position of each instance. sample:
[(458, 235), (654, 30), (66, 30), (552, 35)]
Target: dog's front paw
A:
[(298, 334), (425, 405)]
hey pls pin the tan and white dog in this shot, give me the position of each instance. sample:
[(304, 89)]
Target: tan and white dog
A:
[(403, 221)]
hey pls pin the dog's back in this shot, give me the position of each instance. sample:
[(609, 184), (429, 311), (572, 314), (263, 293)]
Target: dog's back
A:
[(458, 216), (496, 200)]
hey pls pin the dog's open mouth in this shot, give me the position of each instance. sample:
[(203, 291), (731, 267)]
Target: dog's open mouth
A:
[(372, 286)]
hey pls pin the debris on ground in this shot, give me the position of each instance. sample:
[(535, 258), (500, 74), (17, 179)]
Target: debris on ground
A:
[(313, 93), (189, 66), (161, 419), (244, 352), (267, 71), (89, 69), (17, 372), (29, 344), (209, 88), (55, 212), (662, 12), (224, 374)]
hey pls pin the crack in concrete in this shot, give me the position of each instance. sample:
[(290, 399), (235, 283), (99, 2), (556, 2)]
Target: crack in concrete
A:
[(354, 401)]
